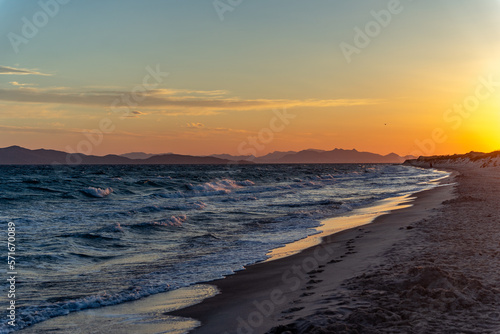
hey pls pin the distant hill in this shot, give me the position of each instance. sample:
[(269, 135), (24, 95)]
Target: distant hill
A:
[(137, 155), (273, 157), (312, 156), (177, 159), (234, 157), (15, 155), (339, 156)]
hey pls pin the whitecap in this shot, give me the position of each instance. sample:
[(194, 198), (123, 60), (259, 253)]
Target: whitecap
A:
[(97, 192)]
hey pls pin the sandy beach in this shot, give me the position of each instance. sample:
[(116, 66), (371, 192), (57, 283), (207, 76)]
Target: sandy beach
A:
[(250, 167), (430, 267)]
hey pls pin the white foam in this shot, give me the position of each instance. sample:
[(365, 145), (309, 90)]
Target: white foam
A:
[(223, 186), (116, 228), (199, 205), (346, 207), (97, 192), (32, 315), (172, 221), (228, 186)]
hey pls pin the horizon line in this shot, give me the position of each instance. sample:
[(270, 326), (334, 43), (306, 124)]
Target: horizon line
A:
[(235, 155)]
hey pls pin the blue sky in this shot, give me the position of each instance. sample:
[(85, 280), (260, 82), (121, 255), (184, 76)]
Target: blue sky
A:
[(427, 58)]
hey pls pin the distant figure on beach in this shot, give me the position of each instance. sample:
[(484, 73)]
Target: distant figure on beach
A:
[(430, 164)]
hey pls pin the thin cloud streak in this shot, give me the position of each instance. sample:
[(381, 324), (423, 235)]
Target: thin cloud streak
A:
[(28, 129), (158, 99), (195, 125), (17, 84), (19, 71)]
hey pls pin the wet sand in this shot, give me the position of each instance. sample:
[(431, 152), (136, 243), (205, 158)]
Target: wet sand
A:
[(145, 316), (300, 293), (431, 267)]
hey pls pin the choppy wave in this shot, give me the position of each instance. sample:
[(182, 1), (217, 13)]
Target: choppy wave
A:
[(162, 227), (223, 186), (170, 221), (97, 192), (44, 189), (32, 315), (305, 204)]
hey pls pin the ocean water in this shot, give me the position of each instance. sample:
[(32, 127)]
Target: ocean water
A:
[(92, 236)]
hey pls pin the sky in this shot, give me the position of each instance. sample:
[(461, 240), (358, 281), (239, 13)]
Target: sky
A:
[(202, 77)]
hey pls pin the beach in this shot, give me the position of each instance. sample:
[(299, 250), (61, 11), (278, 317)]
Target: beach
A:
[(97, 239), (250, 167), (429, 267)]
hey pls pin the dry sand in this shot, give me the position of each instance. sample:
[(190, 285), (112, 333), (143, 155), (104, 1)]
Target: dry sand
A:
[(429, 268)]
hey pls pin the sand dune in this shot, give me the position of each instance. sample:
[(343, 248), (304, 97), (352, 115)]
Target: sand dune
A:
[(469, 160)]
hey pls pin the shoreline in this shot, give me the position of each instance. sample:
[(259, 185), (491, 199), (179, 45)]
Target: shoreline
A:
[(160, 316), (158, 312), (329, 226), (272, 293), (441, 278)]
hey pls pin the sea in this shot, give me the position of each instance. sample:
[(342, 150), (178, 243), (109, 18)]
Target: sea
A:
[(87, 237)]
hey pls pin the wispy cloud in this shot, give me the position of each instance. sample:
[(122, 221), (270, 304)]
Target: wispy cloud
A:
[(135, 113), (17, 84), (170, 100), (195, 125), (189, 92), (29, 129), (56, 129), (19, 71), (201, 129)]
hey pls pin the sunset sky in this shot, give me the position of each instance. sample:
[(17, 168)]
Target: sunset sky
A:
[(418, 76)]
